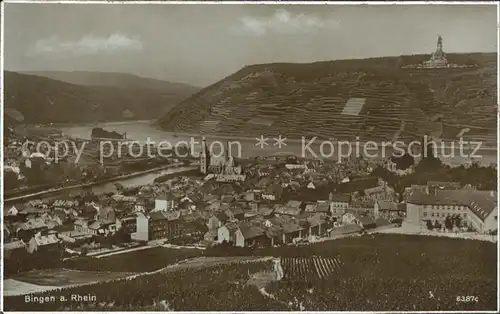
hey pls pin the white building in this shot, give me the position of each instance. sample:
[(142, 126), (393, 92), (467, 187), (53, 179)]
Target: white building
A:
[(339, 203), (164, 203), (478, 208)]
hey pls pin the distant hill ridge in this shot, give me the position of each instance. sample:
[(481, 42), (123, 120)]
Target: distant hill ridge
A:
[(88, 97), (115, 79), (309, 99)]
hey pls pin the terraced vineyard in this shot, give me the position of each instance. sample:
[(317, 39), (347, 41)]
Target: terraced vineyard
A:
[(310, 268), (388, 102)]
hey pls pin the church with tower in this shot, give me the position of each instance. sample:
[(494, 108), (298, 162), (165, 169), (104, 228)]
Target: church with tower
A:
[(223, 165)]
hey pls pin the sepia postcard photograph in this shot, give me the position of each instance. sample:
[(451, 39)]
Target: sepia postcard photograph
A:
[(238, 156)]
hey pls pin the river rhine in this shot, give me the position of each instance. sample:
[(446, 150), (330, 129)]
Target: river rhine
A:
[(141, 131)]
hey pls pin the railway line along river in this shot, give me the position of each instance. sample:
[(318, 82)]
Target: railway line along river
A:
[(105, 186)]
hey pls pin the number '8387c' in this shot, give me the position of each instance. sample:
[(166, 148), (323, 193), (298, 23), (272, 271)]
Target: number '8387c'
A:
[(468, 298)]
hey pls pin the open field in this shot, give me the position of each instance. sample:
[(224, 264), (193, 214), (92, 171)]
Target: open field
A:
[(384, 272), (52, 279), (136, 261), (64, 277)]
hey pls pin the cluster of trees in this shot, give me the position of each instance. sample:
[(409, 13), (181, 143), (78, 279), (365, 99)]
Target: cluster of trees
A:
[(40, 174), (450, 222), (432, 169)]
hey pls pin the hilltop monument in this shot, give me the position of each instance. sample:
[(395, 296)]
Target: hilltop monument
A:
[(438, 58)]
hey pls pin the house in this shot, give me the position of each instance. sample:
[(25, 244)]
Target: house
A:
[(296, 166), (433, 186), (157, 225), (339, 202), (31, 211), (388, 209), (266, 212), (248, 235), (250, 196), (227, 199), (164, 202), (14, 246), (274, 192), (124, 199), (210, 235), (292, 230), (292, 208), (214, 206), (217, 220), (227, 233), (383, 192), (105, 213), (311, 208), (102, 227), (14, 254), (345, 230), (251, 215), (12, 211), (193, 225), (127, 224), (52, 221), (89, 211), (48, 244), (230, 178), (275, 234), (28, 229), (322, 207), (317, 224), (349, 218), (236, 212), (81, 225)]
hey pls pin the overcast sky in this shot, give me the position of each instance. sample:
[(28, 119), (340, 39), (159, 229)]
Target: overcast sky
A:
[(202, 43)]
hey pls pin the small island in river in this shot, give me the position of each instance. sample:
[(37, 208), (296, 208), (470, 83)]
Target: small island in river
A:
[(100, 133)]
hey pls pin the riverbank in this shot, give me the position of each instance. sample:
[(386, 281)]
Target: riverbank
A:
[(77, 124), (90, 184)]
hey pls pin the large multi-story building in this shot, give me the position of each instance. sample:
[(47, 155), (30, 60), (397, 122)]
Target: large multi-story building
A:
[(476, 208), (157, 225), (223, 165)]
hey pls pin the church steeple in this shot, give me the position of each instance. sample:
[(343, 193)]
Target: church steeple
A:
[(226, 153), (204, 156)]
